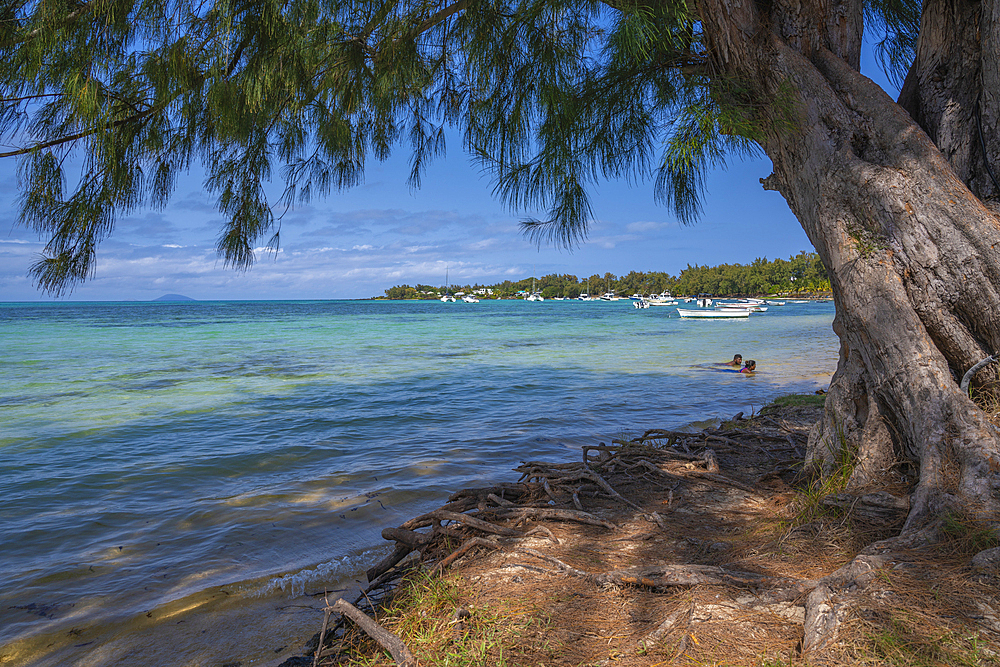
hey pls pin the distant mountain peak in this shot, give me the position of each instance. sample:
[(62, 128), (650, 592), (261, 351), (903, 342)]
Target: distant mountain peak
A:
[(174, 297)]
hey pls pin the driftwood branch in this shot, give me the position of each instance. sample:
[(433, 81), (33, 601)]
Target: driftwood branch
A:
[(469, 544), (398, 554), (408, 538), (439, 515), (387, 640)]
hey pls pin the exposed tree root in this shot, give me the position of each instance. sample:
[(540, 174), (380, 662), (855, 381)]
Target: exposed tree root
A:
[(557, 514), (502, 522)]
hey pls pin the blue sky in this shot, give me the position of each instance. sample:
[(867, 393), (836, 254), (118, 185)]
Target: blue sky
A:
[(358, 243)]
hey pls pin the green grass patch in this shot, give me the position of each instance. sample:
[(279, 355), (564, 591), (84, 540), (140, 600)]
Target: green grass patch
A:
[(799, 400), (423, 616)]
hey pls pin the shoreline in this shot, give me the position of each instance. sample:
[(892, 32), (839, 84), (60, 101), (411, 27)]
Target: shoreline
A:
[(171, 457), (649, 569), (220, 611)]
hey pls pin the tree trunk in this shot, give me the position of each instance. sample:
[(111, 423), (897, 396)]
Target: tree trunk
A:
[(913, 254), (953, 89)]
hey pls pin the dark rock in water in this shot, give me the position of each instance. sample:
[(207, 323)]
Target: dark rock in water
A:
[(297, 661), (174, 297)]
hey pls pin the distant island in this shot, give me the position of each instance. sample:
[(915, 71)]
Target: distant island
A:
[(174, 297), (802, 274)]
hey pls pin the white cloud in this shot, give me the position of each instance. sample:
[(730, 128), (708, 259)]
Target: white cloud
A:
[(645, 226)]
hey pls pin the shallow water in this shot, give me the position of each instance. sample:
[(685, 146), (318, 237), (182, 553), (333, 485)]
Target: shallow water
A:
[(170, 468)]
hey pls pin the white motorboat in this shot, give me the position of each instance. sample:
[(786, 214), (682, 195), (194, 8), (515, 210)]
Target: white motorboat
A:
[(448, 298), (704, 302), (726, 312), (776, 303), (640, 303), (752, 307), (468, 298)]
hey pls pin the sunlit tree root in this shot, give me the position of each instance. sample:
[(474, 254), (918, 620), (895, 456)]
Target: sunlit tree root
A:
[(827, 601), (387, 640)]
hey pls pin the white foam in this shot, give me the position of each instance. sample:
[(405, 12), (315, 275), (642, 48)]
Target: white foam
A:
[(294, 583)]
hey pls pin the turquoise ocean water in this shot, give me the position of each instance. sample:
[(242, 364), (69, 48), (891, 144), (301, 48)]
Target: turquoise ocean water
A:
[(178, 480)]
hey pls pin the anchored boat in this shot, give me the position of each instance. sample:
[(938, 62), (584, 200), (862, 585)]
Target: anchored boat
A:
[(729, 312)]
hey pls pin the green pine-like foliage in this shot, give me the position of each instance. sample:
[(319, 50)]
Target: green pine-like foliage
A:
[(551, 96)]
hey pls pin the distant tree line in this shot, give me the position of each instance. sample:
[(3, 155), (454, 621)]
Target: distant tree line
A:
[(802, 273)]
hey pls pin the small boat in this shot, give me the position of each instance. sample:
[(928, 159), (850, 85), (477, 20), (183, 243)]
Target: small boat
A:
[(752, 307), (664, 299), (704, 302), (610, 296), (468, 298), (534, 296), (640, 303), (447, 298), (726, 312), (776, 303)]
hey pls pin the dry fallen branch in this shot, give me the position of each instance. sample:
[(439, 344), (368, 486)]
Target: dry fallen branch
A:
[(398, 554), (322, 634), (497, 500), (387, 640), (590, 474), (405, 537), (469, 544), (440, 515)]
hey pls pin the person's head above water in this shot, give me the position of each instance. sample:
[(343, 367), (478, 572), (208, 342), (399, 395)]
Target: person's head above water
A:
[(738, 358), (750, 366)]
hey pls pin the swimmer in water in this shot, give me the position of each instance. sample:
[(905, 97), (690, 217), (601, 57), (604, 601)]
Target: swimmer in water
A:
[(750, 367), (737, 361)]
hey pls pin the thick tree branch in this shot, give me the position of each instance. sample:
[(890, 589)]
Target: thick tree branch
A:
[(86, 133), (443, 14)]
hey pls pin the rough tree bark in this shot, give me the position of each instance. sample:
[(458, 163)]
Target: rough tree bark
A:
[(913, 253)]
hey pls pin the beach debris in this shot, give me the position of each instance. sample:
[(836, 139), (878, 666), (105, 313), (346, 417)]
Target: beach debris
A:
[(387, 640)]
